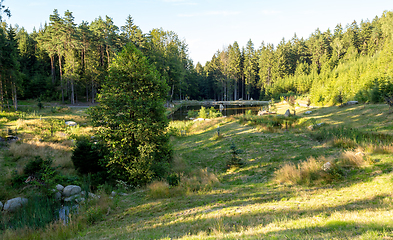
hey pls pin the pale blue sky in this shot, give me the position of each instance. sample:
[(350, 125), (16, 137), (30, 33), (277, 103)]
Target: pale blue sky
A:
[(209, 25)]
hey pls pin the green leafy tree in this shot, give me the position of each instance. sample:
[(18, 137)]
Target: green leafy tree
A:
[(132, 120)]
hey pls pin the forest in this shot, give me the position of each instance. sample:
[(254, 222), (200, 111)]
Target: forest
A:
[(123, 169), (68, 62)]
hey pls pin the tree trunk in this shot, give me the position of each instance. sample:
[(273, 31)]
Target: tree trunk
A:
[(1, 94), (87, 93), (52, 67), (14, 96), (235, 90), (92, 91), (61, 81), (72, 92), (173, 89)]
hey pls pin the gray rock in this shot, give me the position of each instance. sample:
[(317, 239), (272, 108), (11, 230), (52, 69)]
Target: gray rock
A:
[(71, 123), (352, 102), (90, 195), (308, 112), (71, 190), (287, 113), (113, 193), (58, 196), (59, 187), (15, 203), (327, 166), (72, 198), (80, 200)]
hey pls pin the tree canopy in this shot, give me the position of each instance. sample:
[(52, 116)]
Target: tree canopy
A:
[(132, 120)]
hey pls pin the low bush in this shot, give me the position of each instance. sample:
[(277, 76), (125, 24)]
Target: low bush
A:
[(158, 189), (89, 158), (195, 181), (235, 160)]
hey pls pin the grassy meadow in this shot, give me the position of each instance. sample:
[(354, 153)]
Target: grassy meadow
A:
[(214, 201), (279, 189)]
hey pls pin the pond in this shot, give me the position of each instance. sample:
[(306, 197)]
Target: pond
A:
[(228, 110)]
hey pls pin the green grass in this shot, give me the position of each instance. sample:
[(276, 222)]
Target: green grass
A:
[(247, 202)]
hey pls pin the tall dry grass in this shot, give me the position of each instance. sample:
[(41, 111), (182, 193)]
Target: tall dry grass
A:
[(379, 149), (351, 159), (60, 153), (198, 180), (314, 170), (303, 173)]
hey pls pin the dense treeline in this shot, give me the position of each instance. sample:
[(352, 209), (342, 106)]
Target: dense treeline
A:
[(69, 62), (350, 63)]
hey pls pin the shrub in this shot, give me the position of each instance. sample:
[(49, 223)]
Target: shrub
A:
[(202, 113), (173, 179), (36, 166), (213, 113), (158, 189), (192, 114), (235, 160), (89, 158)]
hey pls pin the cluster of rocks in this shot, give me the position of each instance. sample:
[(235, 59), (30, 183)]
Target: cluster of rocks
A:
[(69, 194), (72, 193)]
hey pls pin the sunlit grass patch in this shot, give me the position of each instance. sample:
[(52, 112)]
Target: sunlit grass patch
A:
[(60, 153), (315, 170)]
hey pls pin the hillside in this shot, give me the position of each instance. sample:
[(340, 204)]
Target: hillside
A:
[(213, 202)]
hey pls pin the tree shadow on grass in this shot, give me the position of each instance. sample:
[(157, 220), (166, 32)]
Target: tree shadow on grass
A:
[(278, 221)]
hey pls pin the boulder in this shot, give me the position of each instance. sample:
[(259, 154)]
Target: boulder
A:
[(71, 123), (15, 203), (287, 113), (327, 166), (71, 190), (352, 102), (199, 119), (59, 187)]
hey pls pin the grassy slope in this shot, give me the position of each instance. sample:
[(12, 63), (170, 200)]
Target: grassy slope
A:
[(248, 204)]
